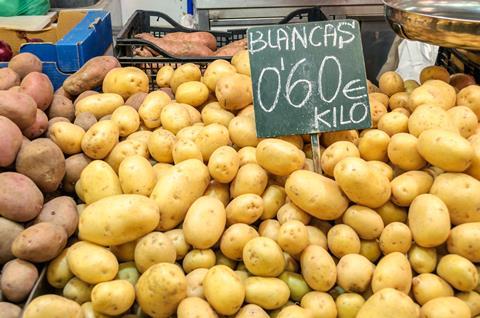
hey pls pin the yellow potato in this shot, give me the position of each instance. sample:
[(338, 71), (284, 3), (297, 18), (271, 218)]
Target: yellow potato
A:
[(178, 189), (77, 290), (52, 306), (196, 259), (290, 211), (329, 138), (318, 268), (58, 273), (234, 239), (177, 238), (470, 97), (426, 287), (141, 135), (320, 304), (185, 149), (246, 208), (89, 312), (410, 85), (224, 290), (263, 257), (214, 113), (247, 155), (409, 185), (382, 167), (389, 303), (241, 61), (393, 123), (348, 305), (152, 249), (215, 71), (258, 291), (113, 298), (428, 116), (251, 178), (205, 210), (402, 110), (126, 149), (98, 181), (377, 110), (164, 75), (433, 92), (174, 117), (251, 311), (195, 282), (316, 236), (125, 81), (160, 289), (402, 151), (243, 132), (343, 240), (361, 183), (434, 72), (317, 195), (399, 100), (210, 138), (445, 307), (293, 311), (160, 145), (192, 93), (118, 219), (218, 190), (381, 97), (392, 271), (373, 145), (370, 249), (445, 149), (474, 169), (273, 198), (195, 115), (195, 307), (429, 220), (396, 237), (100, 139), (127, 120), (463, 241), (458, 272), (184, 73), (270, 229), (92, 263), (99, 104), (288, 158), (367, 223), (336, 152), (472, 299), (293, 237), (354, 273), (391, 83), (464, 119), (460, 193), (422, 259), (223, 164), (150, 110), (124, 252), (392, 213), (137, 176), (234, 91), (67, 136)]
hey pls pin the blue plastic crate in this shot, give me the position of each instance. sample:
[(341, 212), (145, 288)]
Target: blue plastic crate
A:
[(89, 38)]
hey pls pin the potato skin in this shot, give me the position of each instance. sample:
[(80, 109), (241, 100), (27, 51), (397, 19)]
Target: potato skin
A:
[(392, 271), (18, 278), (469, 96), (10, 310), (43, 162), (354, 273), (463, 241), (234, 91), (125, 81), (428, 286), (61, 211), (160, 289), (61, 106), (402, 151), (25, 63), (52, 306), (74, 166), (223, 164), (40, 242), (13, 186), (388, 302), (113, 298), (258, 291), (318, 268), (18, 107), (215, 71), (10, 141), (38, 127), (224, 290), (195, 306), (136, 175), (234, 239), (366, 222), (100, 139), (90, 75), (98, 180), (445, 307), (288, 158), (246, 208), (153, 248), (100, 105), (409, 185), (9, 230), (250, 178), (118, 219), (8, 78), (317, 195), (58, 273), (67, 136), (39, 87)]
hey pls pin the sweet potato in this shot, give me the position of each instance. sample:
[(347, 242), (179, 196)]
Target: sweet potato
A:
[(18, 107), (10, 141), (43, 162), (25, 63), (40, 242), (8, 78), (204, 38), (61, 106), (176, 48), (90, 75), (39, 126), (18, 278), (61, 211), (20, 198), (8, 232), (231, 48), (74, 166), (39, 87)]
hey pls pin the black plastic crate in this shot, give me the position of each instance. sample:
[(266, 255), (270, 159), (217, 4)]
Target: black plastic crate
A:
[(140, 22), (456, 62)]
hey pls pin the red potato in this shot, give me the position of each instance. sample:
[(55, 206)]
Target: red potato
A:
[(61, 211), (60, 91), (8, 78), (39, 126), (18, 107), (61, 106), (10, 141), (39, 87), (14, 186), (25, 63), (74, 166), (10, 310), (205, 38), (136, 100), (8, 232), (18, 278), (460, 81), (15, 88)]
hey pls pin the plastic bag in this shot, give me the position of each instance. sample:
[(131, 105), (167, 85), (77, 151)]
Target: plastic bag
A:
[(10, 8), (415, 56)]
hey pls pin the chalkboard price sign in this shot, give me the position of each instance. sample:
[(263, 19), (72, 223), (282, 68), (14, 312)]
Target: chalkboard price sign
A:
[(308, 78)]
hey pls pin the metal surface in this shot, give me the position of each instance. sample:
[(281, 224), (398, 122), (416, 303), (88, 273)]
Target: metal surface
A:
[(454, 23), (231, 4)]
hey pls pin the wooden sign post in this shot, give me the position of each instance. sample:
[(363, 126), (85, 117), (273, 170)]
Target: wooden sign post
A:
[(308, 78)]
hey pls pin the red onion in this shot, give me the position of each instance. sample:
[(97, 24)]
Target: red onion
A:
[(5, 51)]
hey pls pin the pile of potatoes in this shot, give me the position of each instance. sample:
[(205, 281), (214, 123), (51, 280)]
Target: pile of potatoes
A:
[(183, 211)]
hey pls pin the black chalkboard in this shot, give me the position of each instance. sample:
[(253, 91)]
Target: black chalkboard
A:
[(308, 78)]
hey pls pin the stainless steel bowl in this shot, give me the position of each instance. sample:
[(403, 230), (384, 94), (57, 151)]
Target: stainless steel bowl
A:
[(452, 23)]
